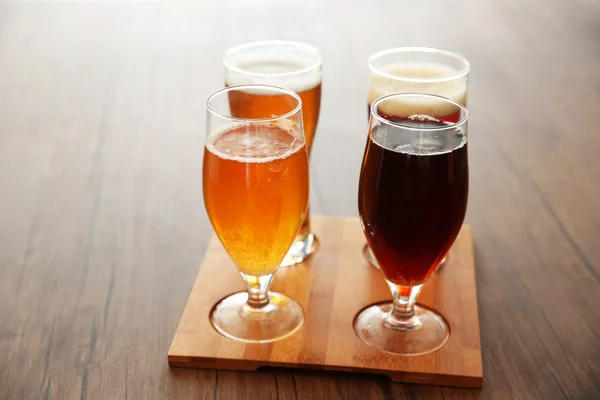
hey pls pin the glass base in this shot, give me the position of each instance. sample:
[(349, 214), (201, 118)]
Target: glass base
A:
[(368, 254), (301, 249), (234, 318), (370, 328)]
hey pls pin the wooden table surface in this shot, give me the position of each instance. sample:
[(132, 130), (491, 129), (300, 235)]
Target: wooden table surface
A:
[(102, 223)]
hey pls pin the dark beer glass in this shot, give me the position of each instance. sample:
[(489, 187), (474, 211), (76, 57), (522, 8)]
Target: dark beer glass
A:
[(412, 200), (418, 70)]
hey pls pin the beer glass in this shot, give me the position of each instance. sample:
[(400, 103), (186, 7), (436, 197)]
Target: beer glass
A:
[(256, 188), (417, 70), (291, 65), (412, 200)]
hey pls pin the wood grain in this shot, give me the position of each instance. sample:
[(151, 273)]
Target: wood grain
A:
[(102, 225), (333, 287)]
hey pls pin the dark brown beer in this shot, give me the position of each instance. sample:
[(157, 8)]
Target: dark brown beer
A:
[(413, 198)]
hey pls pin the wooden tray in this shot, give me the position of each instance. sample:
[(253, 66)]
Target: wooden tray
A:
[(333, 286)]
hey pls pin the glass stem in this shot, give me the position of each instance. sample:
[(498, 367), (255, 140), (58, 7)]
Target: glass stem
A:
[(402, 317), (258, 290)]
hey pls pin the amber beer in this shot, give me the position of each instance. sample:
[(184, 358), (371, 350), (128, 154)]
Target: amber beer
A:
[(413, 199), (256, 192), (420, 77), (291, 65), (255, 105)]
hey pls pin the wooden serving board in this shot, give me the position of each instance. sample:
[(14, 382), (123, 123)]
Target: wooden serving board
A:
[(332, 287)]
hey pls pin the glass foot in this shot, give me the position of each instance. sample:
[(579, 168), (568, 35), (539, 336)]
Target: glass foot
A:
[(432, 334), (301, 249), (233, 318)]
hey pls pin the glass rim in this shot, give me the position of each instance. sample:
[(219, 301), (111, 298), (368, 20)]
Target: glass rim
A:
[(450, 125), (281, 90), (463, 72), (259, 43)]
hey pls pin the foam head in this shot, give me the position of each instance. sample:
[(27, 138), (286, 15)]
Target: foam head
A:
[(291, 65), (418, 77), (257, 143)]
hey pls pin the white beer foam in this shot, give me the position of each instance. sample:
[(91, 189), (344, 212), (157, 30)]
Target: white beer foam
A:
[(425, 147), (431, 144), (455, 89), (274, 66), (284, 125)]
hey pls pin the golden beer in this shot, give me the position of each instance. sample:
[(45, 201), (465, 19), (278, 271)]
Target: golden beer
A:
[(290, 65), (256, 192)]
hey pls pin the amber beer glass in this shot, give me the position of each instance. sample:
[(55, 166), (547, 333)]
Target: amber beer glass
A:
[(412, 200), (291, 65), (418, 70), (256, 189)]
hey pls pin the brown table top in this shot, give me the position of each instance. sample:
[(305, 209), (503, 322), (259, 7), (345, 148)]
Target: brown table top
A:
[(102, 224)]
